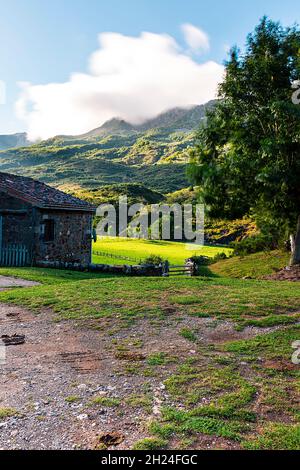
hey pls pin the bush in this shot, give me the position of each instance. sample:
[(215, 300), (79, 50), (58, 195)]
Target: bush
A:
[(219, 257), (200, 260), (254, 245), (153, 260)]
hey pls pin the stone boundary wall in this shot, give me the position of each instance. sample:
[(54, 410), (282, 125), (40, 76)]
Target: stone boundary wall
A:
[(138, 270)]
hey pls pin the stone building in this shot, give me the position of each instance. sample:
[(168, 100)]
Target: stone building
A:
[(40, 224)]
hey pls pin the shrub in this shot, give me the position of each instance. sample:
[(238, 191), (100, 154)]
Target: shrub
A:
[(153, 260), (200, 260), (254, 245)]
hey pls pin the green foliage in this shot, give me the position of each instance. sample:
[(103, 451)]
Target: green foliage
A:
[(110, 194), (153, 259), (150, 443), (246, 158), (254, 244), (276, 437), (72, 399), (157, 359), (188, 334), (106, 401), (7, 413), (272, 345), (96, 161), (226, 231)]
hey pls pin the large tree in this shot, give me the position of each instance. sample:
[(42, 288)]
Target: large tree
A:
[(247, 157)]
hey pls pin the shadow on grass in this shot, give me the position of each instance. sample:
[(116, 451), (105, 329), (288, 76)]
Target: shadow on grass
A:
[(205, 271)]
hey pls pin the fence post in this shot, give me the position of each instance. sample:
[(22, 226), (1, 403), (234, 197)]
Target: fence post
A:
[(165, 268)]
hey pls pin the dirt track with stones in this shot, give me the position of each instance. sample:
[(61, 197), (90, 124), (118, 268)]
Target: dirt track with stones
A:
[(51, 379)]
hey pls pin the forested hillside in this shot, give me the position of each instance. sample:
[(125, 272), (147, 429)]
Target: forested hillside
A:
[(152, 154)]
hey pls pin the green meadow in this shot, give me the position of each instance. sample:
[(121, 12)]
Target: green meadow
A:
[(138, 250)]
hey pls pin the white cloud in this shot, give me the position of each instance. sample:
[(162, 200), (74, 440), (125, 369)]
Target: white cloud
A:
[(133, 78), (196, 39)]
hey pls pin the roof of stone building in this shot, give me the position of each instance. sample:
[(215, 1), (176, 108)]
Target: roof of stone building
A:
[(41, 195)]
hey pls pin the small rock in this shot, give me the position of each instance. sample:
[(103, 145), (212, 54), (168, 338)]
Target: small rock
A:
[(82, 387), (82, 417), (156, 410)]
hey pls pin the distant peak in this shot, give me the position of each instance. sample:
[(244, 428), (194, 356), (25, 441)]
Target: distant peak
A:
[(117, 123)]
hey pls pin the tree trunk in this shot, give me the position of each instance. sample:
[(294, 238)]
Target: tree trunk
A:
[(295, 246)]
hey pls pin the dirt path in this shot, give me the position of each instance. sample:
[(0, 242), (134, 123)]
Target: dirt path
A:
[(52, 379), (58, 362), (8, 281)]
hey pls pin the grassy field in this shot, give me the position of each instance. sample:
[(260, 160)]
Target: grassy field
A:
[(239, 389), (174, 252), (255, 266)]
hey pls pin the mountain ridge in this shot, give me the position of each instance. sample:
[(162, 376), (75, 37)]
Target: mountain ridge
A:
[(178, 118), (175, 119), (19, 139), (154, 154)]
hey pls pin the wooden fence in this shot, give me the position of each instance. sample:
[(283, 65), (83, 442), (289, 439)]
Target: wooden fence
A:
[(14, 255), (114, 256)]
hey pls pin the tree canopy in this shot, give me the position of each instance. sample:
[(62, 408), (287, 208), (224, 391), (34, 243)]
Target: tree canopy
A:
[(247, 157)]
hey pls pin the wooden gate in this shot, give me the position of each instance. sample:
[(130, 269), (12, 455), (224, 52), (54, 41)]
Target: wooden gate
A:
[(188, 269), (14, 255)]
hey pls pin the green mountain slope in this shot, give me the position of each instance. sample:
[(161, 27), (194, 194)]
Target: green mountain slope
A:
[(13, 140), (152, 154)]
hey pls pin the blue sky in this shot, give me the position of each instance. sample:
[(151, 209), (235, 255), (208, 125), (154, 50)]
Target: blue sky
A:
[(44, 42)]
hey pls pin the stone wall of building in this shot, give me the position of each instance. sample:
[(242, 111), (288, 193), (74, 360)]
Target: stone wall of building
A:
[(72, 237)]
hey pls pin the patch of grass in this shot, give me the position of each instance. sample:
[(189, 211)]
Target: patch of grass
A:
[(134, 298), (49, 276), (271, 321), (72, 399), (140, 401), (124, 300), (197, 424), (150, 443), (164, 431), (255, 266), (106, 401), (157, 359), (272, 345), (8, 412), (185, 299), (276, 437), (188, 334), (224, 386), (278, 394)]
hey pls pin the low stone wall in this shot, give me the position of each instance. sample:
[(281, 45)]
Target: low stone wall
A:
[(138, 270)]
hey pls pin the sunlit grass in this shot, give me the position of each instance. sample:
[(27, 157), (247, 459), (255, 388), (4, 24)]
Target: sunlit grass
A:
[(174, 252)]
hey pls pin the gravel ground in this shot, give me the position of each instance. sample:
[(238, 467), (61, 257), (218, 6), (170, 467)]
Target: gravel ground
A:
[(59, 361), (52, 378)]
